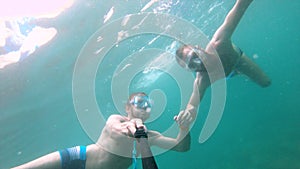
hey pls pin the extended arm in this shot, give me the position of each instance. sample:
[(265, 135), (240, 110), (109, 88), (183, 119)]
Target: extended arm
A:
[(181, 143), (196, 94), (184, 119), (231, 21)]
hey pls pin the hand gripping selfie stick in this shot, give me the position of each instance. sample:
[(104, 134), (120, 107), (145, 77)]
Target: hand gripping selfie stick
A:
[(147, 157)]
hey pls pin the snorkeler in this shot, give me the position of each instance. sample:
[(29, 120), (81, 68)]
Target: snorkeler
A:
[(114, 148), (233, 59)]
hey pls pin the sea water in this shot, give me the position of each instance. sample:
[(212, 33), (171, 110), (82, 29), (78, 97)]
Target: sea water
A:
[(259, 128)]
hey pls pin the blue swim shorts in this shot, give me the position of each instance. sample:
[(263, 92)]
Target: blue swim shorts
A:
[(73, 158)]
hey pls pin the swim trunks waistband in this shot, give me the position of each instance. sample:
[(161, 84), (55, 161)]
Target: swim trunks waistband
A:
[(73, 158)]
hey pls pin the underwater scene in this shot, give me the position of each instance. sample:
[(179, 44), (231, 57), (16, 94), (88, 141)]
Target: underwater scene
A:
[(66, 66)]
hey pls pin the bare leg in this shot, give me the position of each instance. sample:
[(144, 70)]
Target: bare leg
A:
[(50, 161), (253, 71)]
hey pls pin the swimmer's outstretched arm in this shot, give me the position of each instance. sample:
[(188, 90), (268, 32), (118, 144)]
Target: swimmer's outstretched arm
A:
[(184, 119), (181, 143), (49, 161), (231, 21), (197, 92)]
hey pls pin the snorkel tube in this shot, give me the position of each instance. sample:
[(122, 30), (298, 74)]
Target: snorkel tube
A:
[(148, 160)]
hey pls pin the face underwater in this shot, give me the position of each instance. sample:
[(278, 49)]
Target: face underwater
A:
[(141, 102)]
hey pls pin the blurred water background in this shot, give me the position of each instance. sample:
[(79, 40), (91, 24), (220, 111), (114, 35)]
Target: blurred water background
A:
[(259, 128)]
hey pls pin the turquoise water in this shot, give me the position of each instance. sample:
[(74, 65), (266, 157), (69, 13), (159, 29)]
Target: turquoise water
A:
[(259, 128)]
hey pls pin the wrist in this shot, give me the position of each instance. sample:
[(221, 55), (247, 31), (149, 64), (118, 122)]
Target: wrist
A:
[(184, 128)]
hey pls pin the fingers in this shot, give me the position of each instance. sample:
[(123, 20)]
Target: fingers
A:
[(145, 129), (131, 129), (198, 75), (175, 118), (184, 118), (179, 116), (138, 123)]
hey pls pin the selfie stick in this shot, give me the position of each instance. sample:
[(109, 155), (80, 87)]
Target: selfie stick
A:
[(147, 157)]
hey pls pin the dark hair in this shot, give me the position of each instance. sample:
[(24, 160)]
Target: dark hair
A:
[(179, 51)]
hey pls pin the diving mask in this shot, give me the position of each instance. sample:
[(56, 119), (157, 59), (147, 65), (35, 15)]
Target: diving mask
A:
[(191, 61), (141, 102)]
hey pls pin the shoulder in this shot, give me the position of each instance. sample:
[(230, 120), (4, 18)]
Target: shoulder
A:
[(218, 44)]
